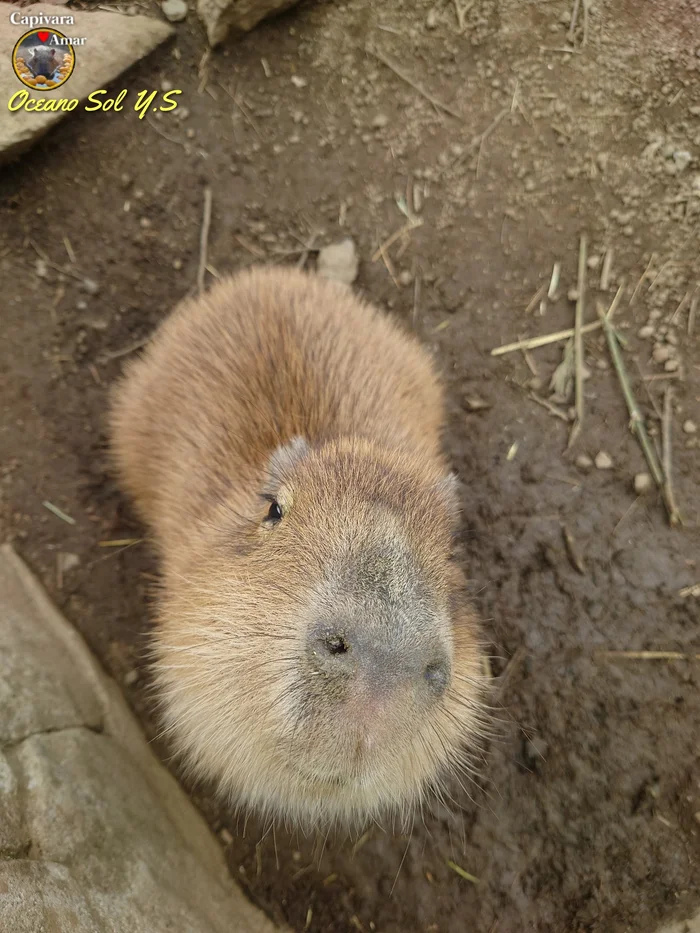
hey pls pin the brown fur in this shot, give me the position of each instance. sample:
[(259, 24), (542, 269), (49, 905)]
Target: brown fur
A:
[(204, 426)]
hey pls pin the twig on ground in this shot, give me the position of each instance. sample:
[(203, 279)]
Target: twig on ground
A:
[(684, 301), (461, 872), (302, 260), (586, 7), (69, 249), (643, 276), (59, 513), (550, 406), (414, 84), (487, 132), (108, 355), (416, 294), (691, 313), (160, 132), (204, 240), (389, 267), (120, 542), (578, 342), (554, 281), (615, 302), (572, 551), (574, 19), (255, 250), (666, 448), (529, 362), (461, 14), (54, 265), (636, 419), (532, 343), (244, 110), (405, 228), (607, 268), (536, 298)]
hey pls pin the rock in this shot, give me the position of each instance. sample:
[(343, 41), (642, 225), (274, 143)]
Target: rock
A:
[(91, 286), (380, 121), (584, 463), (682, 159), (603, 461), (671, 366), (643, 483), (646, 332), (95, 834), (65, 560), (220, 16), (115, 43), (338, 262), (405, 277), (174, 10), (661, 353), (689, 427)]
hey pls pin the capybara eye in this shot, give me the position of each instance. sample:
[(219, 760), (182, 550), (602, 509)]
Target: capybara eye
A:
[(275, 512)]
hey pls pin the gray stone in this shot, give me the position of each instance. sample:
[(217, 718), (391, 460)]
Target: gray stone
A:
[(338, 262), (114, 43), (38, 696), (13, 836), (95, 835), (220, 16)]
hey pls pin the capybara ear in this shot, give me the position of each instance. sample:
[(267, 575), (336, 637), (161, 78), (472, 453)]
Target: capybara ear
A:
[(286, 457)]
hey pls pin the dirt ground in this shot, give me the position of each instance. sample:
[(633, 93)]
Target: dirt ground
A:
[(588, 813)]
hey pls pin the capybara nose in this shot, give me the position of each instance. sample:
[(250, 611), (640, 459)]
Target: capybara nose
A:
[(382, 662)]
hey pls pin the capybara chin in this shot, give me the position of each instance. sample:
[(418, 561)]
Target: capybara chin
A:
[(315, 652)]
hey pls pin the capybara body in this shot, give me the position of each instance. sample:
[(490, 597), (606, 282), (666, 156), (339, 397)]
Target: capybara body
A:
[(315, 652)]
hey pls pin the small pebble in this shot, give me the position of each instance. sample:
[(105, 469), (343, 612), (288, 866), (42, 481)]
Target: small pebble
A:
[(177, 264), (380, 121), (431, 19), (603, 461), (174, 10), (298, 81), (661, 353), (646, 332), (405, 277), (584, 462), (338, 262), (131, 677), (642, 483), (689, 426), (671, 366), (90, 286)]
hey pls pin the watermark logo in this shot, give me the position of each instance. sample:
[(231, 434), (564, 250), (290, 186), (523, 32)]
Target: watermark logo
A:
[(43, 59)]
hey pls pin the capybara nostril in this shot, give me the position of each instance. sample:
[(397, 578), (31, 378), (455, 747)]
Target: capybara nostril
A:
[(335, 644)]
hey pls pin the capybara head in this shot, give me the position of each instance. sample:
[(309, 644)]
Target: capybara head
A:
[(43, 61), (317, 656)]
